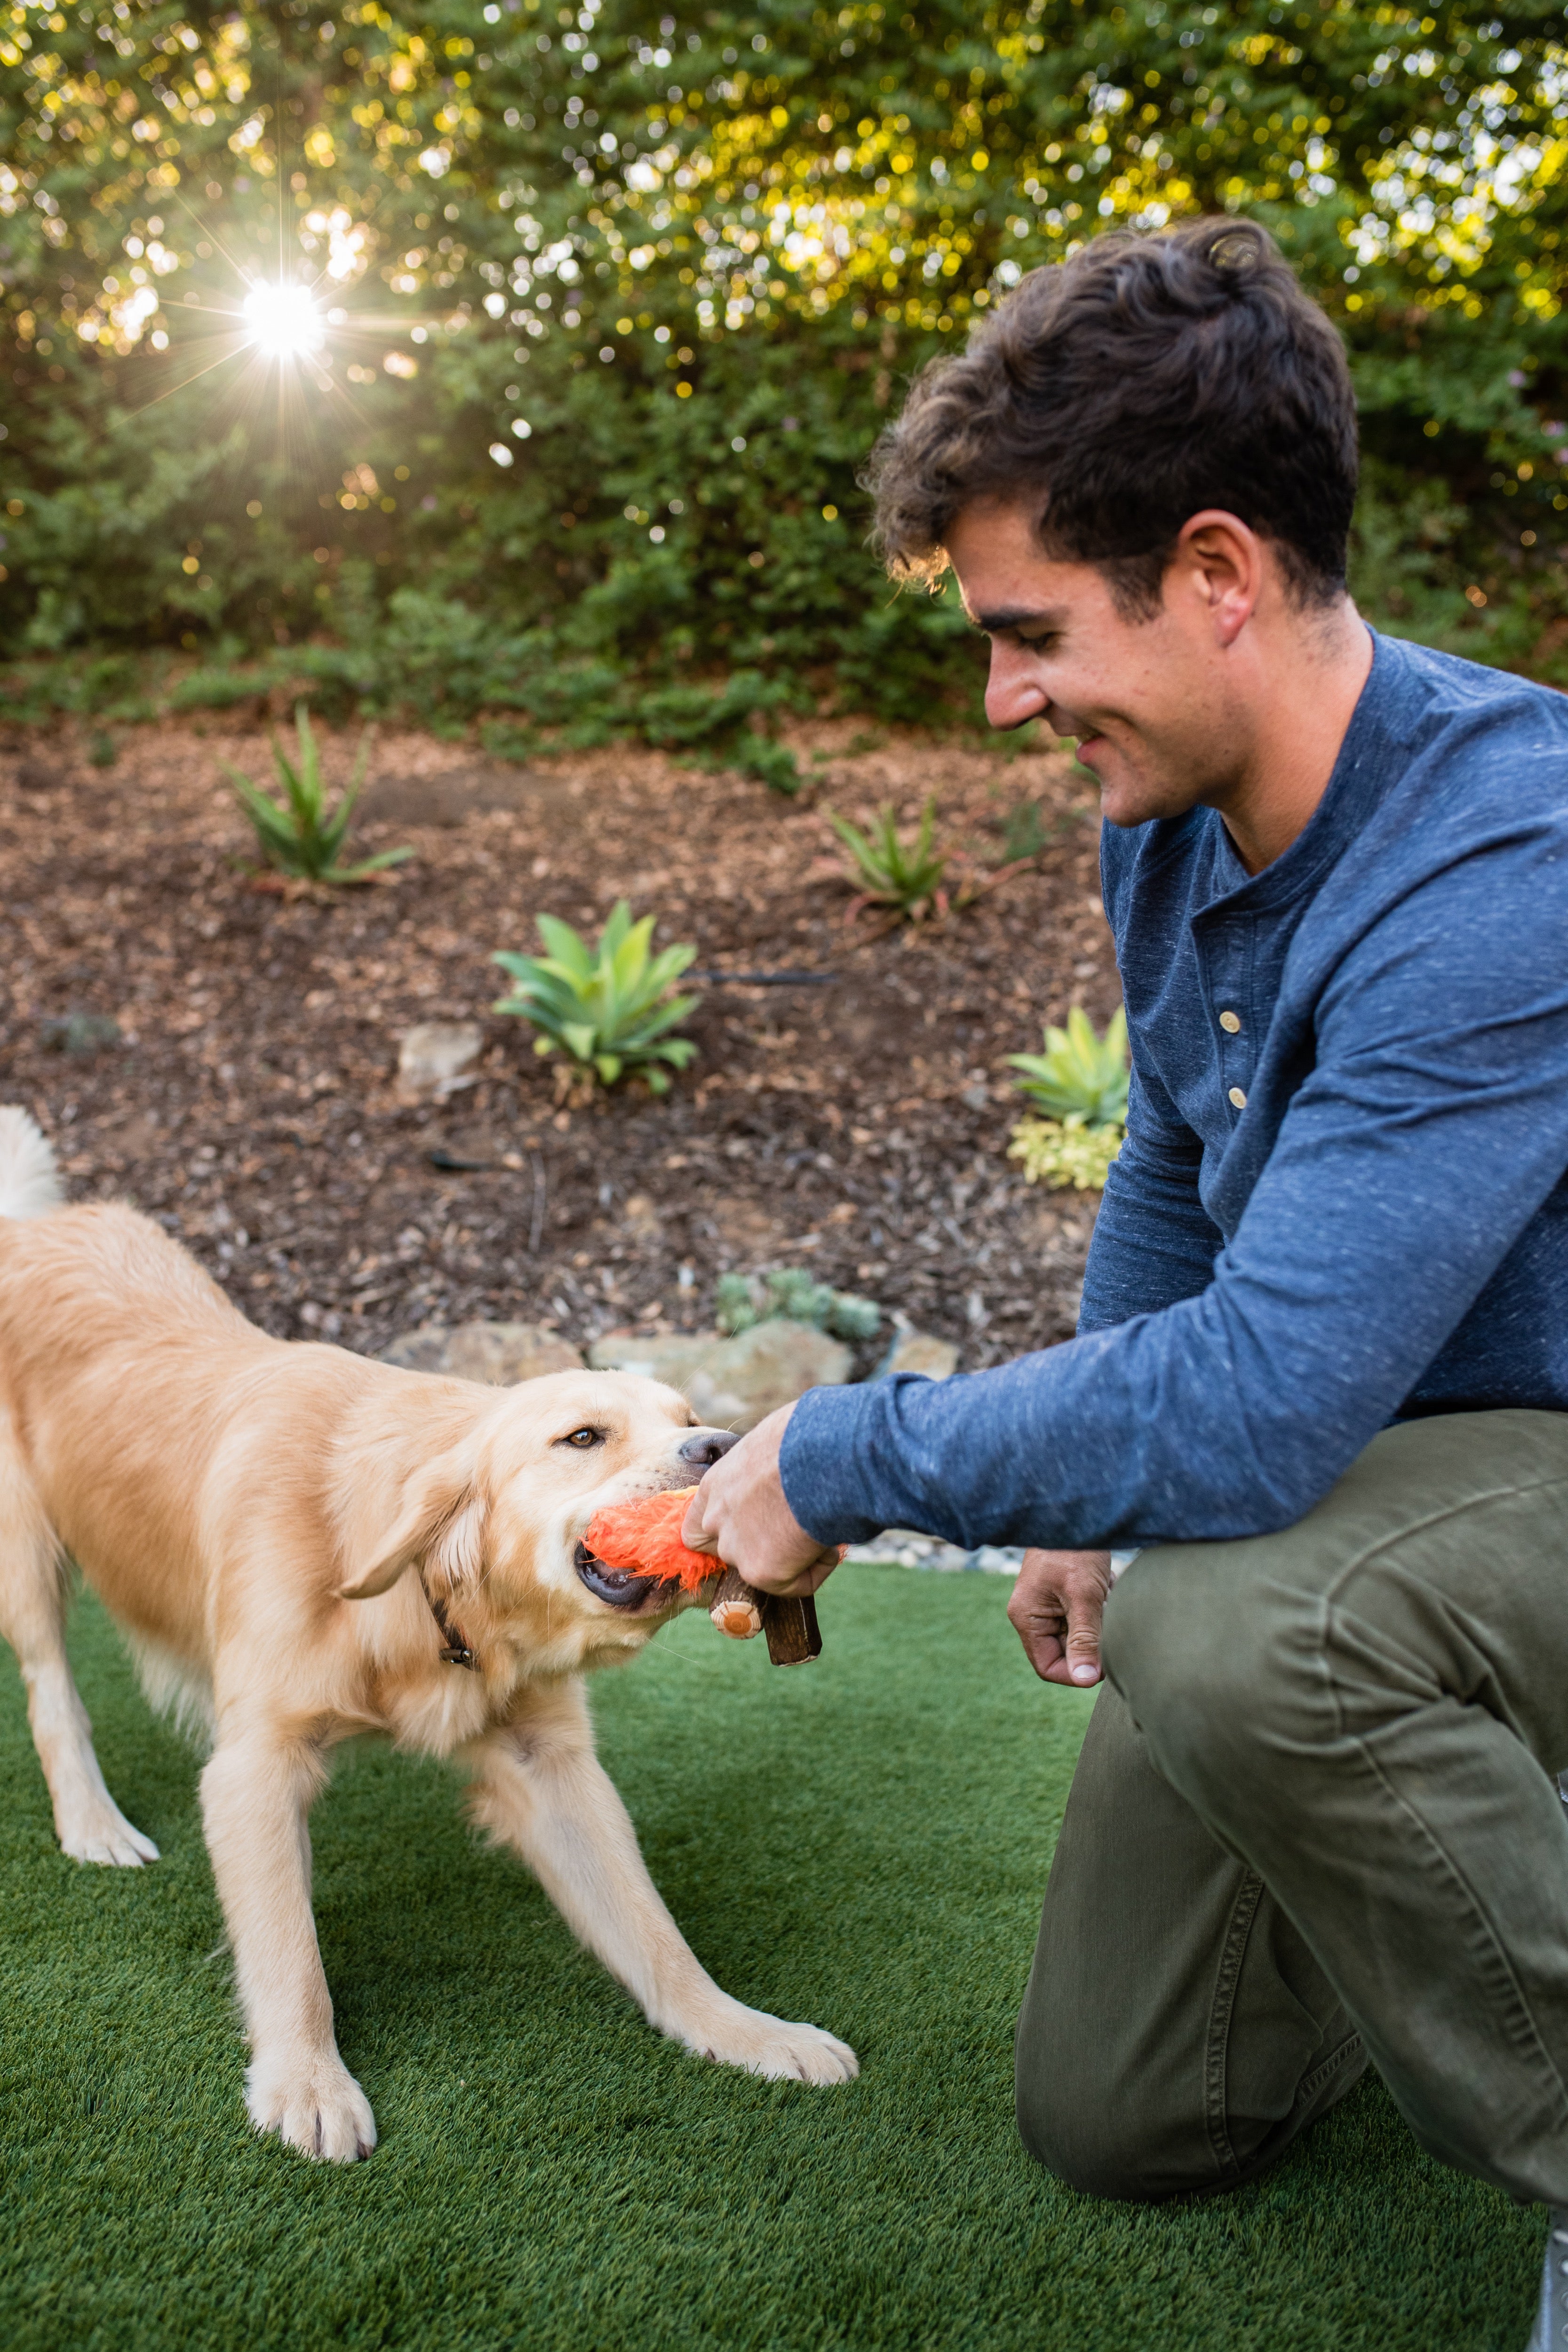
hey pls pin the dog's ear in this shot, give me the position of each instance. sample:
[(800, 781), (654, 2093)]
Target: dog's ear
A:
[(441, 1521)]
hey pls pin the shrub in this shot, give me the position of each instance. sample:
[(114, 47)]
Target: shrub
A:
[(1079, 1077), (1082, 1080), (1058, 1152), (690, 500), (608, 1007), (791, 1294), (304, 837), (892, 872)]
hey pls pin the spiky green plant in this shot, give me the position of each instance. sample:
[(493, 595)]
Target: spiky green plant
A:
[(608, 1006), (1079, 1077), (303, 837), (890, 870)]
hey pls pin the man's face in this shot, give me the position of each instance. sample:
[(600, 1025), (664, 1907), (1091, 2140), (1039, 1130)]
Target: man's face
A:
[(1153, 703)]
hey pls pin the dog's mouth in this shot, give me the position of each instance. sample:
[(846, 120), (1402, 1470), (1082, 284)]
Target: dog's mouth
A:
[(618, 1586)]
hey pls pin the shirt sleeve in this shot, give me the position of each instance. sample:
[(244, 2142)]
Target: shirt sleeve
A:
[(1433, 1128), (1154, 1241)]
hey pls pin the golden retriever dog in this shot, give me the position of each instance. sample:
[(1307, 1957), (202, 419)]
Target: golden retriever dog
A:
[(303, 1547)]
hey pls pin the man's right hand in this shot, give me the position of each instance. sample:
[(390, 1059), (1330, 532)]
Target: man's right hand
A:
[(1055, 1609)]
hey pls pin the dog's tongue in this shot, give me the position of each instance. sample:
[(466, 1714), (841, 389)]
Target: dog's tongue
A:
[(645, 1537)]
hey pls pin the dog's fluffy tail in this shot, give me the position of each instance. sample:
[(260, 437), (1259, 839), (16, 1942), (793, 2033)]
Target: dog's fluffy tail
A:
[(29, 1173)]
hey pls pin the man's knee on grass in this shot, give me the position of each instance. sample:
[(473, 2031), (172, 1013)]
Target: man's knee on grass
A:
[(1073, 2125)]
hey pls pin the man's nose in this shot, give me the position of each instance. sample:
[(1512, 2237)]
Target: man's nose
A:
[(1013, 694), (706, 1447)]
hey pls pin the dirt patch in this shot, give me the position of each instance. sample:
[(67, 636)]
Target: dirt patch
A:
[(855, 1121)]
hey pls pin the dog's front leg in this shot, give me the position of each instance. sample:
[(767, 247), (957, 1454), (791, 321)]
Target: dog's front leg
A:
[(256, 1795), (541, 1788)]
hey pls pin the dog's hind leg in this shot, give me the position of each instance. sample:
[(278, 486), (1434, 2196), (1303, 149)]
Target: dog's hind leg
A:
[(89, 1823)]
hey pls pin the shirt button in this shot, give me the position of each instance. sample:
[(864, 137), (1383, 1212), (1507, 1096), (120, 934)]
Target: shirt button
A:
[(1237, 1097), (1230, 1023)]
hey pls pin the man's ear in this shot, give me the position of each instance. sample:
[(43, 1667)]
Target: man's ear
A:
[(441, 1521)]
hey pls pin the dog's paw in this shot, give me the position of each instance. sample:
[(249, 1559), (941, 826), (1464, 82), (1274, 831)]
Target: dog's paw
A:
[(314, 2105), (772, 2047), (97, 1831)]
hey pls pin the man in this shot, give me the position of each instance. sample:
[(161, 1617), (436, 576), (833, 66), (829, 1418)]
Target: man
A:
[(1321, 1375)]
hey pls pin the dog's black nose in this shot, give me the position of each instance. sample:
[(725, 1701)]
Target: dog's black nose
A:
[(706, 1447)]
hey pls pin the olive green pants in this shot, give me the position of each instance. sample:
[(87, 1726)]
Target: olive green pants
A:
[(1315, 1823)]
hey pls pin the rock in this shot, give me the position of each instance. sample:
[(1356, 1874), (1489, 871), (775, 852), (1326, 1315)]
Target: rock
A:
[(918, 1351), (907, 1548), (435, 1058), (732, 1383), (497, 1353)]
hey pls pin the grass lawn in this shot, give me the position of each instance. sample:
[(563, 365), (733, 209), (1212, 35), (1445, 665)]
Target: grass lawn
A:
[(863, 1844)]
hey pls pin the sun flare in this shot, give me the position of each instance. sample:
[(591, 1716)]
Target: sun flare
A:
[(283, 321)]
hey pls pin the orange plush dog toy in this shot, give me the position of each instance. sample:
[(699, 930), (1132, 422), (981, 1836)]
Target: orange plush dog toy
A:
[(645, 1537)]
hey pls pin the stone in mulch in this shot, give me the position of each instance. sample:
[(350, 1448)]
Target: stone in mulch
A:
[(438, 1058), (496, 1353), (918, 1351), (733, 1383)]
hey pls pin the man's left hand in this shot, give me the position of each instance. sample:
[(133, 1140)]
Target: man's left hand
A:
[(739, 1512)]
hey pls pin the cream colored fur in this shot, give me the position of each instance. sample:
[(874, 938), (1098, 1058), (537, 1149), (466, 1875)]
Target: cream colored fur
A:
[(253, 1514)]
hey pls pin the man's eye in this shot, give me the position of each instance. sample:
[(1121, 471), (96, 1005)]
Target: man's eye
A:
[(584, 1436)]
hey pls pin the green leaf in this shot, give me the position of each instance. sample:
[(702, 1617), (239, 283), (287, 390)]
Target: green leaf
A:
[(565, 949)]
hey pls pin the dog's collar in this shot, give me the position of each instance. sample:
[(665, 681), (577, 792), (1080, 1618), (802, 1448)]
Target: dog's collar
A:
[(454, 1649)]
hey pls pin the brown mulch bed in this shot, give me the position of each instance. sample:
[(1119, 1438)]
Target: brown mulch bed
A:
[(857, 1127)]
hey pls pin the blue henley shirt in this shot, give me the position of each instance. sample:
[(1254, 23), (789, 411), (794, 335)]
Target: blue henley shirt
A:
[(1341, 1199)]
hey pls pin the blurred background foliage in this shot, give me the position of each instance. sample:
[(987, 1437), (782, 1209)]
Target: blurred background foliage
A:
[(614, 302)]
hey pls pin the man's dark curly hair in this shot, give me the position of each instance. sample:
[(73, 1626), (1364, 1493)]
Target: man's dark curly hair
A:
[(1121, 392)]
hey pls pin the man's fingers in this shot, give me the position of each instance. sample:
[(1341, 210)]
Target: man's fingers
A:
[(1055, 1609), (1085, 1610), (807, 1580), (694, 1532)]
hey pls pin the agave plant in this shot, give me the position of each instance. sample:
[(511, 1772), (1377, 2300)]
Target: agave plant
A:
[(608, 1006), (1079, 1078), (890, 871), (303, 837)]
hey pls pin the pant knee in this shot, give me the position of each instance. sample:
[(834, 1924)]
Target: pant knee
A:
[(1201, 1666), (1082, 2147), (1086, 2113)]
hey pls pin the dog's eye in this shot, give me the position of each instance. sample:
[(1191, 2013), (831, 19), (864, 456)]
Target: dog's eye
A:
[(582, 1437)]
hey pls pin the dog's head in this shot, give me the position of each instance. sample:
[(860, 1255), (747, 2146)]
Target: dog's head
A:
[(497, 1522)]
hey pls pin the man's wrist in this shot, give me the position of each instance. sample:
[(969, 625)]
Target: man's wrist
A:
[(822, 1461)]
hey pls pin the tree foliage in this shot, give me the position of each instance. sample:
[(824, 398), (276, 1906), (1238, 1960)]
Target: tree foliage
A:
[(617, 299)]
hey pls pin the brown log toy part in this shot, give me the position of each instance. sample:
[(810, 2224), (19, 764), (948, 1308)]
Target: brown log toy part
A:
[(736, 1607), (789, 1620), (739, 1610)]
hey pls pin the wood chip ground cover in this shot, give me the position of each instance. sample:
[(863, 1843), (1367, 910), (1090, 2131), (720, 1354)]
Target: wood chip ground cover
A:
[(858, 1127)]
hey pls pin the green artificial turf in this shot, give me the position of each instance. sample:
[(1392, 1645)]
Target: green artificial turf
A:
[(863, 1842)]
